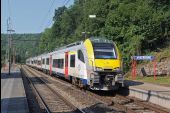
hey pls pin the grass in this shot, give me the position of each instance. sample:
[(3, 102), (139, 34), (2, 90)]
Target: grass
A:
[(161, 80)]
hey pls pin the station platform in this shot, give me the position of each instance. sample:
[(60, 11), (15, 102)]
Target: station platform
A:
[(13, 97), (153, 93)]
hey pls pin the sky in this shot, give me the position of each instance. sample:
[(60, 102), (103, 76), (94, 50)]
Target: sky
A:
[(29, 16)]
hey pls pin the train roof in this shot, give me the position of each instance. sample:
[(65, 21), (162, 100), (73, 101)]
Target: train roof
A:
[(92, 39), (100, 40)]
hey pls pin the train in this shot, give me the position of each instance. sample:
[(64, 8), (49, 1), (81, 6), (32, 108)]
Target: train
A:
[(94, 63)]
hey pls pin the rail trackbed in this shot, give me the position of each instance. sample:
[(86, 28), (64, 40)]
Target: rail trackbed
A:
[(52, 101), (89, 101)]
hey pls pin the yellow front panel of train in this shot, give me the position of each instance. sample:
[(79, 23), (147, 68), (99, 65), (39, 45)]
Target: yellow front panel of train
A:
[(90, 52), (107, 63)]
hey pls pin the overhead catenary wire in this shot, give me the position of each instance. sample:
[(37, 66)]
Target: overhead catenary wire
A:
[(66, 2), (44, 19), (51, 20)]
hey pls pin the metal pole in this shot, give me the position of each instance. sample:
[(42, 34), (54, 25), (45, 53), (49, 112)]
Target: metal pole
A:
[(13, 55), (132, 68), (8, 45), (9, 30), (9, 56), (85, 20), (154, 64), (135, 65)]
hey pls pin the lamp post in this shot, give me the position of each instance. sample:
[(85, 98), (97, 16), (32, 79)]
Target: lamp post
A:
[(92, 16), (85, 33)]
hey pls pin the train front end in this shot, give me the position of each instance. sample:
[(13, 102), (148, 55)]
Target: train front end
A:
[(104, 64)]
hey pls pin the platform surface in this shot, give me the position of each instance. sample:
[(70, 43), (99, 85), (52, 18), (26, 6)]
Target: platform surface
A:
[(13, 97), (164, 90), (149, 92)]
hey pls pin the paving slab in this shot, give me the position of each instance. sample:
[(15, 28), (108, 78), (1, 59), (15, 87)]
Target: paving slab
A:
[(13, 97)]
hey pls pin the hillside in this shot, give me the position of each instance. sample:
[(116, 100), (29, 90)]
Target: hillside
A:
[(24, 45), (138, 27)]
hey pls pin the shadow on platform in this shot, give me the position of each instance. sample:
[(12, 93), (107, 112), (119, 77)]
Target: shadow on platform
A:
[(14, 105), (17, 75), (125, 90), (132, 83), (12, 75)]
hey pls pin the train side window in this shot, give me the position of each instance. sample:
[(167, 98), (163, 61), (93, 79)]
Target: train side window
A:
[(39, 62), (54, 62), (62, 63), (47, 61), (43, 61), (80, 55), (72, 61)]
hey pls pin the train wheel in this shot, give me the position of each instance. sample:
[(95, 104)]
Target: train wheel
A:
[(73, 80), (80, 84), (48, 72)]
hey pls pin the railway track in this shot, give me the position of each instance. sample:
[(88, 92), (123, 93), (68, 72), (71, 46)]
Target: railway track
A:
[(51, 100), (117, 102), (80, 99)]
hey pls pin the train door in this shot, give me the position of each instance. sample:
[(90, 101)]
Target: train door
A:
[(50, 64), (72, 64), (66, 65), (45, 63), (81, 67), (41, 64)]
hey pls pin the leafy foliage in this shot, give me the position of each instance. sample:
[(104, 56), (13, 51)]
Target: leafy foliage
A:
[(24, 46), (136, 26)]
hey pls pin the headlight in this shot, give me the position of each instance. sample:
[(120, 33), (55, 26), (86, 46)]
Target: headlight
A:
[(99, 69)]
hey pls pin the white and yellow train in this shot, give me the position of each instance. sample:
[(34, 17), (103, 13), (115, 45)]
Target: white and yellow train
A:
[(94, 63)]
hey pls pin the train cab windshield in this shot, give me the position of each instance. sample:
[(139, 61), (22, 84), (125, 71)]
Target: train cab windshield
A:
[(103, 49)]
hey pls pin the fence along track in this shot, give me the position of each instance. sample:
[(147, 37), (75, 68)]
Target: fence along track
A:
[(50, 103)]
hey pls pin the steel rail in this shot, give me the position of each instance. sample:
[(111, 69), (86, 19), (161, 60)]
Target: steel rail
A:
[(102, 100), (55, 92), (36, 91), (145, 106)]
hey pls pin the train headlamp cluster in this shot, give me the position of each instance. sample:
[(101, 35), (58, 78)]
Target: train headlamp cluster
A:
[(118, 70), (99, 69)]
